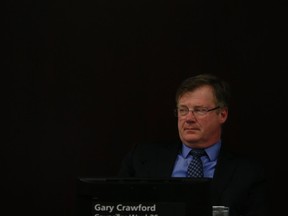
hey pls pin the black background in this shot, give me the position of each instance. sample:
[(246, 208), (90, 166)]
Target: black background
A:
[(91, 78)]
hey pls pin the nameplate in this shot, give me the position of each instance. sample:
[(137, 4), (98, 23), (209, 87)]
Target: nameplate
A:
[(138, 209)]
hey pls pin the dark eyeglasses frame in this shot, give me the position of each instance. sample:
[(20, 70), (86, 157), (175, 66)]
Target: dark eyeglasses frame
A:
[(195, 113)]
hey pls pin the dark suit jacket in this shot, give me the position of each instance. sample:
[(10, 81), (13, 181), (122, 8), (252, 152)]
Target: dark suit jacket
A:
[(238, 181)]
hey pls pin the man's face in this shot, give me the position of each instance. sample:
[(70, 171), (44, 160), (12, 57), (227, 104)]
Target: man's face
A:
[(196, 129)]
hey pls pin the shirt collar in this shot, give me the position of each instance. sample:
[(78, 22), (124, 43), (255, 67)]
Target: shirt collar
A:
[(211, 151)]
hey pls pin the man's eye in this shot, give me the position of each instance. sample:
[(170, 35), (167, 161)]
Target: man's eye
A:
[(199, 110)]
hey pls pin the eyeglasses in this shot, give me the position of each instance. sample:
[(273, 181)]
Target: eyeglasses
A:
[(197, 111)]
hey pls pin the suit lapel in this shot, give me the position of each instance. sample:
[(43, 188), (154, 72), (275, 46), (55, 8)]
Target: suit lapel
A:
[(166, 160), (223, 173)]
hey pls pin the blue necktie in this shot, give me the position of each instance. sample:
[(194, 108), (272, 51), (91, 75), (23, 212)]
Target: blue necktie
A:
[(195, 168)]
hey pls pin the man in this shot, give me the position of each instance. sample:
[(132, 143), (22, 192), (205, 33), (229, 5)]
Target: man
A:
[(202, 109)]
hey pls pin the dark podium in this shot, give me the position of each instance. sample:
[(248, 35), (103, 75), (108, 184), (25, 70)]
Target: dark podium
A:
[(143, 197)]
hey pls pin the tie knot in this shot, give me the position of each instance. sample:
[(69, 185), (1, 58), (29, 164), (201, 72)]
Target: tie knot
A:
[(197, 152)]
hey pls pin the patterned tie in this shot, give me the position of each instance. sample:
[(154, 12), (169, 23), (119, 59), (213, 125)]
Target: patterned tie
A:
[(195, 168)]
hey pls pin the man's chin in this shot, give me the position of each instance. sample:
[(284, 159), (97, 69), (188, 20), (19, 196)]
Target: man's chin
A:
[(191, 138)]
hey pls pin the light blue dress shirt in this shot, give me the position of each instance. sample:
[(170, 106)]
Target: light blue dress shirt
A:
[(209, 161)]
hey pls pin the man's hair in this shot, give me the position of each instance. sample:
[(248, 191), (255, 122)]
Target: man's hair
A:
[(220, 87)]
